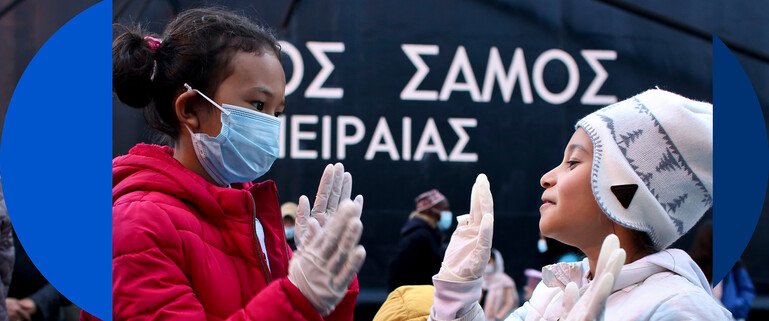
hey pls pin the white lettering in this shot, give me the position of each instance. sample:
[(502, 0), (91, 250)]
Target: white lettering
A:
[(430, 134), (591, 96), (297, 64), (539, 82), (410, 92), (460, 64), (319, 50), (342, 139), (457, 154), (297, 136), (326, 137), (496, 70), (382, 132), (406, 130), (282, 137)]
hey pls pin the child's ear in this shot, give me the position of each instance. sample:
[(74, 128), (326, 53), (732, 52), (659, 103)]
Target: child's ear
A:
[(185, 110)]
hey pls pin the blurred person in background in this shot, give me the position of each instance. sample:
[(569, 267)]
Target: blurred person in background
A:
[(500, 295), (6, 256), (419, 252), (288, 210), (533, 277), (32, 297), (736, 291)]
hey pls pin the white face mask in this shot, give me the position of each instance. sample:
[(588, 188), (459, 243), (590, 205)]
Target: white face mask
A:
[(489, 269)]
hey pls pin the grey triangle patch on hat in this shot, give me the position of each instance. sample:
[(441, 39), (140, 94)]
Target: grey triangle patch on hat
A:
[(624, 193)]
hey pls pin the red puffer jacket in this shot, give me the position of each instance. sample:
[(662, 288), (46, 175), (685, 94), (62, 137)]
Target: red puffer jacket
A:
[(185, 249)]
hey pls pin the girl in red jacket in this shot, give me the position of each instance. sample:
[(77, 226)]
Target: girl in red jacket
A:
[(193, 238)]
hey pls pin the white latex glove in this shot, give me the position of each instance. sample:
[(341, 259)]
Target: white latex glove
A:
[(470, 246), (591, 305), (458, 283), (324, 267), (335, 186)]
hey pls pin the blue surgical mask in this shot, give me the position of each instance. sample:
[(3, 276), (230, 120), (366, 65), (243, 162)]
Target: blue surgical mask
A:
[(289, 233), (542, 246), (245, 148), (445, 221)]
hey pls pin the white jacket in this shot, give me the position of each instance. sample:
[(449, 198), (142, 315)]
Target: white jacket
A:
[(666, 285)]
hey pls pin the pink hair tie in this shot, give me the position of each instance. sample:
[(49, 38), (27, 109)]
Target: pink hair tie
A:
[(153, 42)]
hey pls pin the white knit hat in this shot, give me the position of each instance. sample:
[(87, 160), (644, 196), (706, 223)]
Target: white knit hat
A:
[(653, 163)]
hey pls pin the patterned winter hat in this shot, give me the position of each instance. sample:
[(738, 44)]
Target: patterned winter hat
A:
[(652, 163), (428, 199)]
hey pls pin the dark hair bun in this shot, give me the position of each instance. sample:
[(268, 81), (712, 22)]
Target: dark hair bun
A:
[(132, 65), (198, 47)]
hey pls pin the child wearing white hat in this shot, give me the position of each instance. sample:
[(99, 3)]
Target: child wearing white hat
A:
[(635, 174)]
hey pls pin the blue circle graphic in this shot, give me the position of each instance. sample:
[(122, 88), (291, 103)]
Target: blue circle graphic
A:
[(55, 160), (741, 155)]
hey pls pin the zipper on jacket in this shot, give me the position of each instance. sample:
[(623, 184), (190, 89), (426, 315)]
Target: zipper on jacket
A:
[(257, 246)]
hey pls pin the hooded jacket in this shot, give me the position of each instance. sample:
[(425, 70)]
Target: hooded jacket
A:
[(186, 249), (666, 285)]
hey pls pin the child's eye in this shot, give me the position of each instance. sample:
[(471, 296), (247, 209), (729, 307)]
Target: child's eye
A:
[(278, 114), (259, 105), (572, 163)]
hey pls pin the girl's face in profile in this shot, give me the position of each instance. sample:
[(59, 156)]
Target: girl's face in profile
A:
[(569, 211), (256, 82)]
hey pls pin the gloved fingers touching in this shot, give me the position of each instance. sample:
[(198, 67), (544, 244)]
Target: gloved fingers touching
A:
[(313, 228), (346, 186), (302, 210), (323, 194), (347, 242), (350, 268), (615, 262), (486, 235), (333, 231), (359, 202), (336, 190), (481, 251), (302, 214)]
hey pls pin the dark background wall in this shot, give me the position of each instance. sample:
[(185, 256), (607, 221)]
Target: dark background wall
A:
[(515, 140)]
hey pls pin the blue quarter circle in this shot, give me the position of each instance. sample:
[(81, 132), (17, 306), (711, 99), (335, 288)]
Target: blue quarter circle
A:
[(55, 160)]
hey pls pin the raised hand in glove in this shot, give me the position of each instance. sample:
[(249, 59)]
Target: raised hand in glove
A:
[(470, 246), (458, 283), (335, 186), (590, 306), (323, 268)]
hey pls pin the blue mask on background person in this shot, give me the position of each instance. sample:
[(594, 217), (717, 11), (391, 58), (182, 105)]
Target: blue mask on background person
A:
[(245, 148), (289, 232), (542, 246), (444, 223)]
